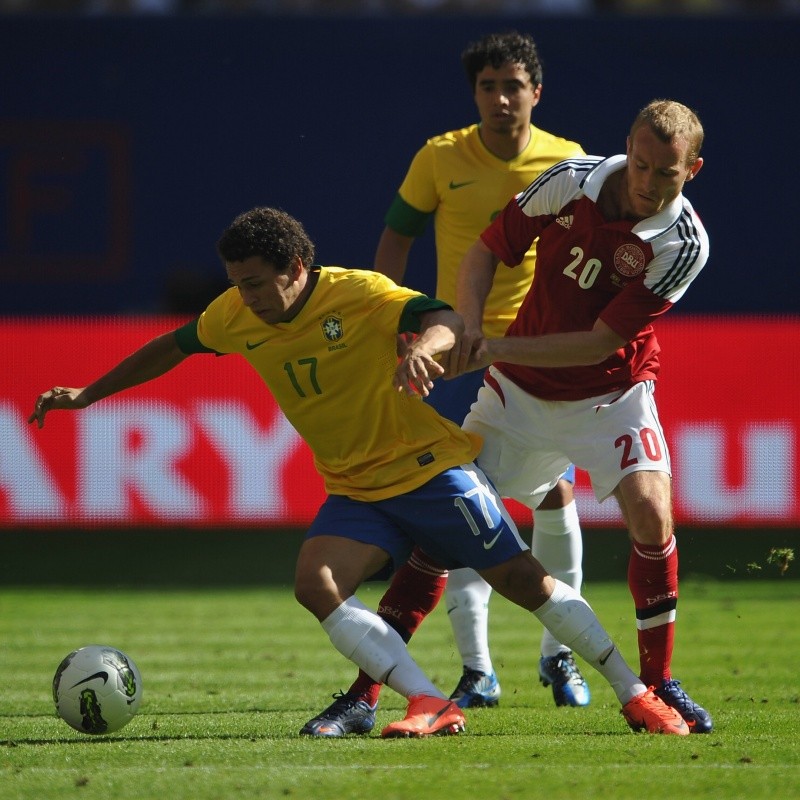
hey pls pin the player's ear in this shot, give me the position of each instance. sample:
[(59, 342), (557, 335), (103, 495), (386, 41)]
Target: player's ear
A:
[(695, 168), (297, 267), (537, 95)]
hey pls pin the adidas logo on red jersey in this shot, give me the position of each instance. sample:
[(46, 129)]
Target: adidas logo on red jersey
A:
[(565, 222)]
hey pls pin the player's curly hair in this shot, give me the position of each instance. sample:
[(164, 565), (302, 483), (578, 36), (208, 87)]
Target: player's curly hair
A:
[(498, 49), (668, 119), (269, 233)]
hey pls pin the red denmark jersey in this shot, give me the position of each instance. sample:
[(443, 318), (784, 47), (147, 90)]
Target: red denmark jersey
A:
[(624, 273)]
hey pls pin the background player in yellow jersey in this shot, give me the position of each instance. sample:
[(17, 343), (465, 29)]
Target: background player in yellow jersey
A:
[(397, 473), (462, 179)]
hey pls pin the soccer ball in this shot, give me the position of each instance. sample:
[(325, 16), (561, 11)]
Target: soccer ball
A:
[(97, 689)]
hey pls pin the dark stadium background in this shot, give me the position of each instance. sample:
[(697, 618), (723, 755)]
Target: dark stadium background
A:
[(128, 143)]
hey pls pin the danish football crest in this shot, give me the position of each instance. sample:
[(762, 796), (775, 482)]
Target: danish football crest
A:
[(629, 260), (332, 328)]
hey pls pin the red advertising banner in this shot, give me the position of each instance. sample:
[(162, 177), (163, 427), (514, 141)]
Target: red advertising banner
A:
[(205, 445)]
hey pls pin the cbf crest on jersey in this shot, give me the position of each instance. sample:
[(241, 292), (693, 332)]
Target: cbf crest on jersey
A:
[(332, 328)]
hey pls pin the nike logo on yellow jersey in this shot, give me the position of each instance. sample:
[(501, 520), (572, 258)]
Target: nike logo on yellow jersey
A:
[(454, 185)]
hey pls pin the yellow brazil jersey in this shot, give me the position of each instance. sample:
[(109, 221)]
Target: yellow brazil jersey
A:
[(330, 370), (458, 180)]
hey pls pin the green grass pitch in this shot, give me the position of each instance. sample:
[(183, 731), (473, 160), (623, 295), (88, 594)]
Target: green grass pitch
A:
[(230, 675)]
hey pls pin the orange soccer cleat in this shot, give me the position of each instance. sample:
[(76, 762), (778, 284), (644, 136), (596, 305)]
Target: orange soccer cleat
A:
[(648, 712), (427, 716)]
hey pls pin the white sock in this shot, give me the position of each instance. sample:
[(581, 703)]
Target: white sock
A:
[(572, 620), (467, 601), (363, 637), (558, 545)]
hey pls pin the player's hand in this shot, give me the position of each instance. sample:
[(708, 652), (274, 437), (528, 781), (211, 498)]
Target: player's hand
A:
[(416, 372), (59, 397), (403, 342), (467, 354), (480, 357)]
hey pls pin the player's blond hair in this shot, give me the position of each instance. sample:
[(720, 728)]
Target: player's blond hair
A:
[(668, 119)]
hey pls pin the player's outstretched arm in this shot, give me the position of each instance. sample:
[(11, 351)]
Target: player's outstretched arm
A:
[(573, 349), (158, 356)]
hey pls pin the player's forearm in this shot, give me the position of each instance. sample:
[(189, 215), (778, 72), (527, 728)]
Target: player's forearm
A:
[(391, 257), (154, 359), (475, 278), (438, 332), (574, 349)]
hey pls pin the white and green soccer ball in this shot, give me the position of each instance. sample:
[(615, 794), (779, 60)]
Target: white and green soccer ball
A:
[(97, 689)]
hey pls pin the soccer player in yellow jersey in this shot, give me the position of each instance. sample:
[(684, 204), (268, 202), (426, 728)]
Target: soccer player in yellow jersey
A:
[(462, 179), (398, 475)]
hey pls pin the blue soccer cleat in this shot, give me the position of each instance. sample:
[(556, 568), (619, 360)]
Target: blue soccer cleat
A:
[(569, 686), (697, 718), (476, 689), (346, 714)]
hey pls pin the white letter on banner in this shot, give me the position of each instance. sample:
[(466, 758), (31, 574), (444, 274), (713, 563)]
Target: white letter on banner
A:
[(24, 478), (111, 467), (767, 489), (256, 457)]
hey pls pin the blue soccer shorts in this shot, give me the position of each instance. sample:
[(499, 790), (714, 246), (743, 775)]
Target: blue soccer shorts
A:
[(457, 518)]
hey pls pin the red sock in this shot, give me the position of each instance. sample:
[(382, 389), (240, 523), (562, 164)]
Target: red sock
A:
[(653, 581), (415, 590)]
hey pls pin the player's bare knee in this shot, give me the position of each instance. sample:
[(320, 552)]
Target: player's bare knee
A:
[(651, 526), (316, 596), (645, 499)]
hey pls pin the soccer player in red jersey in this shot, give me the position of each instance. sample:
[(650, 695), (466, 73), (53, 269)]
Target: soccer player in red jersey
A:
[(573, 379)]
